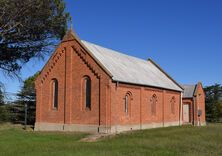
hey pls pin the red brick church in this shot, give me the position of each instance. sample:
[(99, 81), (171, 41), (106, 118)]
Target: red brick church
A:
[(86, 87)]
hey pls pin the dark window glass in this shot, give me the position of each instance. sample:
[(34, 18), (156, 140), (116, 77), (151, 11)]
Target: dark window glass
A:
[(55, 94), (87, 92), (126, 103)]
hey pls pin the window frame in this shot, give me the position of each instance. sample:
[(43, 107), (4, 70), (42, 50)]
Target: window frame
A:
[(87, 102), (172, 105), (127, 103), (126, 108), (55, 94), (153, 104)]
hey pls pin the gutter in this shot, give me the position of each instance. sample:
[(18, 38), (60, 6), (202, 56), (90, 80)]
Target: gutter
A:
[(137, 84)]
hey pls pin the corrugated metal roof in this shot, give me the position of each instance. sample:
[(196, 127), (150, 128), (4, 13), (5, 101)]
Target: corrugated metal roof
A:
[(130, 69), (188, 91)]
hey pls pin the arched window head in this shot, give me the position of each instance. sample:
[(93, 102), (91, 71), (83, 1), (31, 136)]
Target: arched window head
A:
[(172, 105), (87, 92), (128, 98), (153, 102), (55, 93), (126, 103)]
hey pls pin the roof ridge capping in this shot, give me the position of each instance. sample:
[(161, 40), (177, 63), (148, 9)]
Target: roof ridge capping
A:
[(155, 64)]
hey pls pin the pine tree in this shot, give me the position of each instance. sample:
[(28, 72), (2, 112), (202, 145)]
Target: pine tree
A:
[(213, 103), (26, 96), (28, 28)]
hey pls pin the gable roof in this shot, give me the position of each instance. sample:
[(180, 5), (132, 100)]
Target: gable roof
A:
[(129, 69), (189, 91)]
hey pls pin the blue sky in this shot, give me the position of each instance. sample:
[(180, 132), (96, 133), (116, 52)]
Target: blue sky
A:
[(183, 36)]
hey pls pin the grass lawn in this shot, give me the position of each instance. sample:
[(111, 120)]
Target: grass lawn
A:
[(163, 141)]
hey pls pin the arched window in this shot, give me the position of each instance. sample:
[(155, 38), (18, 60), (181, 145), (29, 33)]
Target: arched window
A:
[(127, 103), (87, 92), (172, 105), (153, 102), (55, 93)]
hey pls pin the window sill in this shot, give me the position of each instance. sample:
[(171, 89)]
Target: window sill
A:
[(87, 109), (55, 109)]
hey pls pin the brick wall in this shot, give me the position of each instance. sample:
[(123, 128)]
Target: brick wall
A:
[(140, 106), (69, 68), (69, 64), (195, 103), (199, 101)]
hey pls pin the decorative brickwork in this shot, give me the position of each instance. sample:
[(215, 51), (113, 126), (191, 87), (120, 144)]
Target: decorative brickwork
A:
[(112, 107)]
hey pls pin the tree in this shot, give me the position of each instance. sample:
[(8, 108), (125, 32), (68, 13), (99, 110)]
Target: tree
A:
[(26, 96), (213, 103), (28, 28), (4, 113), (1, 95), (28, 89)]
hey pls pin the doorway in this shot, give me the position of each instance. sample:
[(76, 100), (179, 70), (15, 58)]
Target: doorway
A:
[(186, 113)]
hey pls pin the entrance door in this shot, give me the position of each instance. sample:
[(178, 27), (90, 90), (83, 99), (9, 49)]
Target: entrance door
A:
[(186, 114)]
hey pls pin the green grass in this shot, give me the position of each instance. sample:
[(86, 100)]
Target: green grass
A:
[(163, 141)]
